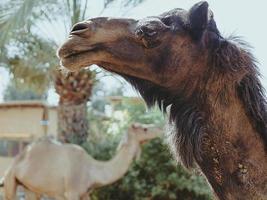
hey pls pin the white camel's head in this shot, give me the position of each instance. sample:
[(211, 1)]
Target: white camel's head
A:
[(144, 132), (140, 133)]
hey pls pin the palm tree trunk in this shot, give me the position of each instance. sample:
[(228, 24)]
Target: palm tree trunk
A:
[(74, 90), (72, 123)]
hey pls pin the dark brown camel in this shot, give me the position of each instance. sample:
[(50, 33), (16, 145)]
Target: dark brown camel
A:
[(179, 58)]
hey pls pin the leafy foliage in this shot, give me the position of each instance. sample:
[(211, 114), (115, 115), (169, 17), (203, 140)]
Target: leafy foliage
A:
[(29, 63)]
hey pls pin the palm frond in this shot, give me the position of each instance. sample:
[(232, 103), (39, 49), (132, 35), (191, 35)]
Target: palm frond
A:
[(15, 15), (34, 63)]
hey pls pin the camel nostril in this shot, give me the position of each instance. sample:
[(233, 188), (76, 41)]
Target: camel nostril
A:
[(79, 27)]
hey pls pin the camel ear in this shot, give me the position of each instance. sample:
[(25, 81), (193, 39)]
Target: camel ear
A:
[(198, 19)]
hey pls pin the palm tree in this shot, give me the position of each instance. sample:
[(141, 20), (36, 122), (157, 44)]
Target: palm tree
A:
[(74, 90), (36, 60)]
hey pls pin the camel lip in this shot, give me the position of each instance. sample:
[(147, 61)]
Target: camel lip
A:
[(69, 58), (76, 53), (68, 50)]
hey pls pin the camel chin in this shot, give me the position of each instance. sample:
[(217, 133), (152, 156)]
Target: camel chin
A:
[(75, 57), (66, 68), (72, 64)]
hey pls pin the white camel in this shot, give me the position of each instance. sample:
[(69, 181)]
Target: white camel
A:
[(66, 171)]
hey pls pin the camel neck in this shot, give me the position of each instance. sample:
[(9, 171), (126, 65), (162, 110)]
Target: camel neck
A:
[(114, 169), (234, 159)]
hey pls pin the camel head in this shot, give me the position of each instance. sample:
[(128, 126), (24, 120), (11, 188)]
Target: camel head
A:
[(140, 133), (162, 50), (144, 132)]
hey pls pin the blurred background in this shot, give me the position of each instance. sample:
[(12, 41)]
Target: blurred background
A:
[(93, 108)]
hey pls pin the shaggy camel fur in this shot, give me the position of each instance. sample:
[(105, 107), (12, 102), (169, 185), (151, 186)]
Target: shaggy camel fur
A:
[(66, 171), (179, 58)]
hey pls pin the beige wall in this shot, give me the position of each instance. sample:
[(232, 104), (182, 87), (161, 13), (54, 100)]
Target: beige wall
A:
[(20, 120)]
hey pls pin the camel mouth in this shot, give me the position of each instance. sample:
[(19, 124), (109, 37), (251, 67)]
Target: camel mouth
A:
[(71, 55), (71, 59)]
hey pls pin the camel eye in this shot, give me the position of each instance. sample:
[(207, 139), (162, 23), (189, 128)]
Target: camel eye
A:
[(145, 32), (149, 32), (148, 36)]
